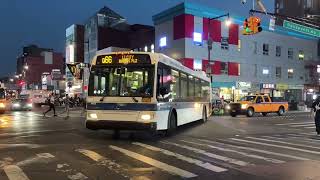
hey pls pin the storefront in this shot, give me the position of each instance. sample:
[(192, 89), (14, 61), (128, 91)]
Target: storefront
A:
[(279, 92), (267, 89), (243, 89), (225, 90)]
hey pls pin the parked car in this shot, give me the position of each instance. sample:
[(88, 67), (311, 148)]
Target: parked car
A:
[(21, 104), (249, 105)]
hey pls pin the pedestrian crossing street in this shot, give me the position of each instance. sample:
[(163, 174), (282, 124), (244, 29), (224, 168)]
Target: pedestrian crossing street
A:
[(166, 158)]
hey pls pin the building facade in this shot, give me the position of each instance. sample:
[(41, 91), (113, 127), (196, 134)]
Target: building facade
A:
[(270, 62), (35, 62), (308, 9), (105, 29)]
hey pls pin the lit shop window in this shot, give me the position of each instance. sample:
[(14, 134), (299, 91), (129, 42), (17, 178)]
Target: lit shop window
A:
[(290, 73), (265, 71)]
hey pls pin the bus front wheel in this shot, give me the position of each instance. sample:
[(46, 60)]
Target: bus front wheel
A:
[(172, 124)]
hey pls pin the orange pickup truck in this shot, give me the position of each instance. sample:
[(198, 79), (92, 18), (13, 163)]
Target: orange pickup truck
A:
[(249, 105)]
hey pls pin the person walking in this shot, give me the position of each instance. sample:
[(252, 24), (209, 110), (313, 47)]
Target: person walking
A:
[(67, 103), (50, 103), (316, 114)]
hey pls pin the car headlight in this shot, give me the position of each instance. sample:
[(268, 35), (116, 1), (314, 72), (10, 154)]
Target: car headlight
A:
[(2, 105), (244, 106), (228, 107), (16, 105), (29, 105), (93, 116), (146, 117)]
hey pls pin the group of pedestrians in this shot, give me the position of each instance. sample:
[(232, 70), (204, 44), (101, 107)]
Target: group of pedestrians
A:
[(50, 102)]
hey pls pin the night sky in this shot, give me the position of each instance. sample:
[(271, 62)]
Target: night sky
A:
[(43, 22)]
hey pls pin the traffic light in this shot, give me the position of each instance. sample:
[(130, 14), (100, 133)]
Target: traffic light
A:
[(252, 26)]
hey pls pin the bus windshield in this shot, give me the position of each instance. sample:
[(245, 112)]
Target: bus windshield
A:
[(126, 81)]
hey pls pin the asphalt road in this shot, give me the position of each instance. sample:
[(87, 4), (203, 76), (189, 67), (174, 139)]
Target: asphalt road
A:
[(55, 148)]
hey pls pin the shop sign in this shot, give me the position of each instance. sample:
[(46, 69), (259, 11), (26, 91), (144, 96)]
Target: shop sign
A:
[(243, 85), (296, 86), (267, 86), (282, 86)]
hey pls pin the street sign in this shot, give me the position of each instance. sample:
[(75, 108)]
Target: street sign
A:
[(302, 29), (272, 23)]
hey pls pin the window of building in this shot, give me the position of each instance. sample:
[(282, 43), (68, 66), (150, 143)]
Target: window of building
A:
[(255, 47), (290, 73), (265, 49), (301, 55), (146, 49), (152, 48), (225, 43), (197, 64), (318, 68), (265, 71), (224, 68), (278, 51), (197, 38), (163, 42), (278, 72), (308, 3), (239, 45), (290, 53)]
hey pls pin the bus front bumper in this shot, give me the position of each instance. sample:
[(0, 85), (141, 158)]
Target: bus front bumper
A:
[(120, 125)]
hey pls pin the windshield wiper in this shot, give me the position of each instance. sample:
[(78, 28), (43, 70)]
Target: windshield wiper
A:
[(134, 99)]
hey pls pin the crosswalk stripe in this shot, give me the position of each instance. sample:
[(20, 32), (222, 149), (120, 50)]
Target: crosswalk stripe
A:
[(300, 138), (215, 156), (111, 165), (277, 140), (166, 167), (308, 134), (303, 125), (197, 162), (238, 152), (13, 172), (310, 127), (285, 124), (273, 145), (258, 150)]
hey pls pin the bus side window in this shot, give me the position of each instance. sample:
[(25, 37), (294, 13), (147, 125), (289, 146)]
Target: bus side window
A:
[(197, 90), (165, 82)]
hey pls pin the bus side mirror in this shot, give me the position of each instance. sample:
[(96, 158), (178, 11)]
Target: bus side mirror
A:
[(163, 91)]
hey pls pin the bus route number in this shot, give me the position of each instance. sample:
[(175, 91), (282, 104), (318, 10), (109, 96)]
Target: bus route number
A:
[(107, 60)]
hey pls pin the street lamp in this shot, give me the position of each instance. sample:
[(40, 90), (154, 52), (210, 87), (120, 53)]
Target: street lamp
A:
[(210, 41)]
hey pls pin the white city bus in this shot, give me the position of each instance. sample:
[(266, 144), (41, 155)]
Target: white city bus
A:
[(145, 91)]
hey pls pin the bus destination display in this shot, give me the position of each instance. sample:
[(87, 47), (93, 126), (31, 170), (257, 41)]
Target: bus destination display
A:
[(118, 59)]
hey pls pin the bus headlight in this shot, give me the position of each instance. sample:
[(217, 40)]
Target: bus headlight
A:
[(228, 107), (146, 117), (93, 116), (244, 106), (2, 105), (16, 105)]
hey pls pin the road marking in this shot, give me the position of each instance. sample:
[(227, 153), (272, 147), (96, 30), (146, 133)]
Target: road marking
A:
[(278, 140), (238, 152), (285, 124), (197, 162), (166, 167), (273, 145), (42, 157), (101, 160), (302, 125), (30, 132), (13, 172), (258, 150), (215, 156), (309, 134), (310, 127)]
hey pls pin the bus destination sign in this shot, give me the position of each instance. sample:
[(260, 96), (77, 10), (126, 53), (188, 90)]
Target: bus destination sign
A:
[(123, 59)]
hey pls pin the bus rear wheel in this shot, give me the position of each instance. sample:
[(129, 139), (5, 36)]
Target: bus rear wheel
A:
[(172, 124)]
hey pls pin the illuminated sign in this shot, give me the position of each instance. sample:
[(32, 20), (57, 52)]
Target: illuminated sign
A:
[(126, 59)]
